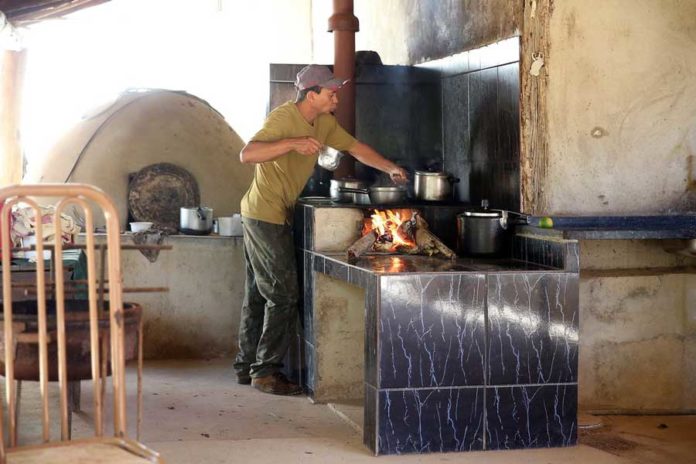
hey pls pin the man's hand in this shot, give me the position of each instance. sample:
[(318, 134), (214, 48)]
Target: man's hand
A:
[(398, 175), (305, 145)]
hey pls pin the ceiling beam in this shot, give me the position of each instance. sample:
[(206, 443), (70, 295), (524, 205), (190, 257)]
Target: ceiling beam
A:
[(23, 11)]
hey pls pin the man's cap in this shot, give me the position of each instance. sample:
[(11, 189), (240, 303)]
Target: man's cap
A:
[(317, 75)]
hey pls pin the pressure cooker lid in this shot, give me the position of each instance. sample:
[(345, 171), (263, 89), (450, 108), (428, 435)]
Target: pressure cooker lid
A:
[(483, 211)]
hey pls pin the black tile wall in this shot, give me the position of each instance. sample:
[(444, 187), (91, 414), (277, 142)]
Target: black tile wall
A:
[(370, 418), (533, 328), (558, 254), (531, 416), (372, 298), (432, 331), (480, 120), (430, 420)]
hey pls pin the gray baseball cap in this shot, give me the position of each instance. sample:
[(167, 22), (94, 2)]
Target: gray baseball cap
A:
[(317, 75)]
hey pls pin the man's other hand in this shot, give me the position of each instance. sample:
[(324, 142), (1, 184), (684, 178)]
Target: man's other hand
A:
[(306, 145)]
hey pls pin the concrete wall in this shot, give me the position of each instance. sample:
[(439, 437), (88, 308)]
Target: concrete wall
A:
[(637, 327), (622, 125), (415, 31), (199, 316)]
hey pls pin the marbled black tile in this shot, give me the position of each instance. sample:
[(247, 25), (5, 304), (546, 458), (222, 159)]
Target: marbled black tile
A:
[(336, 269), (309, 368), (571, 259), (319, 261), (455, 120), (372, 290), (370, 418), (307, 308), (309, 228), (509, 113), (431, 331), (531, 416), (430, 420), (532, 328), (483, 135)]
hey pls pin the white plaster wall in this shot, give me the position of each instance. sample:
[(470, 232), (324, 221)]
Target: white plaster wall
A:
[(621, 93)]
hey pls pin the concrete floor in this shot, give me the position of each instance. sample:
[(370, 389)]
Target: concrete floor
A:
[(195, 412)]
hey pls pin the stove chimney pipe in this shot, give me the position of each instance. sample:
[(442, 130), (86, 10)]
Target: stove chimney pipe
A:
[(344, 25)]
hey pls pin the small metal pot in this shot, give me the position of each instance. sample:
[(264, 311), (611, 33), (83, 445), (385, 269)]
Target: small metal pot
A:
[(433, 186), (196, 220), (340, 196), (381, 195)]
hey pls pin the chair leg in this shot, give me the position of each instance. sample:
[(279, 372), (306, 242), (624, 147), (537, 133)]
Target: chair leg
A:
[(18, 396)]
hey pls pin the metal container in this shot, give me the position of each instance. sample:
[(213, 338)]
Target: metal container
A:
[(329, 158), (230, 226), (196, 220), (381, 195), (481, 231), (340, 196), (485, 231), (433, 186)]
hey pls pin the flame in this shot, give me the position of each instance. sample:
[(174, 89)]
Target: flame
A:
[(386, 223)]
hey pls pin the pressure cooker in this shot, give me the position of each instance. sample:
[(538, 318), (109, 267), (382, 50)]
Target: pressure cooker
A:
[(483, 231)]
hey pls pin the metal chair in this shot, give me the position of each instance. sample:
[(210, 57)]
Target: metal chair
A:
[(100, 448)]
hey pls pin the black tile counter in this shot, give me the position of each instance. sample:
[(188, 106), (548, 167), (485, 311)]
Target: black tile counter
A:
[(676, 226), (465, 354)]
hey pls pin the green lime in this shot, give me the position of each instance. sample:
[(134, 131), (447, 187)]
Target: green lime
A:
[(546, 223)]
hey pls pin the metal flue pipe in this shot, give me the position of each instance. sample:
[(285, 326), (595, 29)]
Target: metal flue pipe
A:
[(344, 25)]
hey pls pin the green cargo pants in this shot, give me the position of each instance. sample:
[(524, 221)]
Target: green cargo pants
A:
[(269, 309)]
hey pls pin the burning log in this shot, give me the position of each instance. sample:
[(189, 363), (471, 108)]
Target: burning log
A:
[(362, 246), (391, 234)]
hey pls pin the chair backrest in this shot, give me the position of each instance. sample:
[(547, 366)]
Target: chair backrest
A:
[(83, 196)]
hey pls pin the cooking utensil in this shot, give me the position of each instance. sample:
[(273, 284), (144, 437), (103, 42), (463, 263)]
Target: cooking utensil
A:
[(329, 158), (433, 186), (484, 231), (347, 197), (196, 220), (380, 195)]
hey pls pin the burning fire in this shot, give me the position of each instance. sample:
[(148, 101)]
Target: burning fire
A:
[(386, 224)]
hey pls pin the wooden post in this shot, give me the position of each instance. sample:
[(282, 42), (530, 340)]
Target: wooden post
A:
[(11, 76), (534, 156)]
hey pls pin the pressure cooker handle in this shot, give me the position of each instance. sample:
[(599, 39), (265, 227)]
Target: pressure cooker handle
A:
[(352, 190), (200, 212)]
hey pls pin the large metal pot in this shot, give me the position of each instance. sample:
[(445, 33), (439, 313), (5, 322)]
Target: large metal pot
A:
[(433, 186), (196, 220), (484, 231), (340, 196), (381, 195)]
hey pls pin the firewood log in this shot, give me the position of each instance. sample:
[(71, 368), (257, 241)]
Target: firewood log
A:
[(430, 244), (361, 246)]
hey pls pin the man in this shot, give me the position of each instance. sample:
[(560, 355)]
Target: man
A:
[(285, 151)]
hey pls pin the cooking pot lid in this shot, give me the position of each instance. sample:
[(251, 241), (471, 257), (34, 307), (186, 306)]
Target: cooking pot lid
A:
[(433, 174)]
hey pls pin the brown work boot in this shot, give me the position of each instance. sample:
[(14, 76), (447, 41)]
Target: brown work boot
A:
[(277, 384)]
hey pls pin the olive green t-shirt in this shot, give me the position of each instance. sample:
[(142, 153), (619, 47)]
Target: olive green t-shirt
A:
[(277, 184)]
